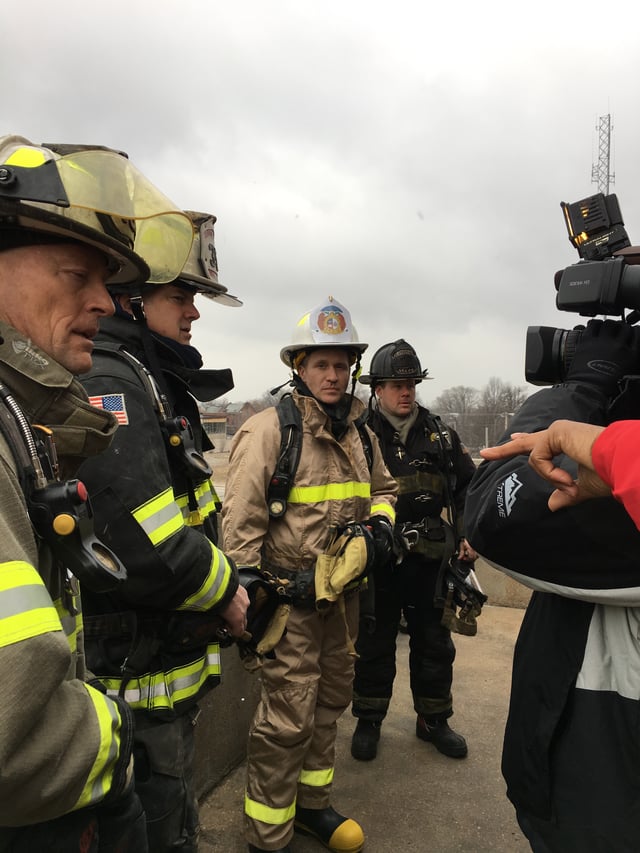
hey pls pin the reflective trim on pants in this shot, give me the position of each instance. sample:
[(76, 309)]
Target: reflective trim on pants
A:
[(305, 690)]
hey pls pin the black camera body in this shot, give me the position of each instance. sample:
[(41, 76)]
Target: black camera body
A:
[(604, 281)]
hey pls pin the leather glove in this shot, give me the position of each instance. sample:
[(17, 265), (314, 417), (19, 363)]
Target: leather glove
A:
[(607, 351), (382, 535)]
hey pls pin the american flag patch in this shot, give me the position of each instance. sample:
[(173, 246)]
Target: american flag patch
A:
[(113, 403)]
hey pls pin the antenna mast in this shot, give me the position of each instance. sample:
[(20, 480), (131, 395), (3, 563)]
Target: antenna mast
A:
[(600, 171)]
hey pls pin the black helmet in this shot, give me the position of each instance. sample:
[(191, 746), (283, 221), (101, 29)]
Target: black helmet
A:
[(397, 360)]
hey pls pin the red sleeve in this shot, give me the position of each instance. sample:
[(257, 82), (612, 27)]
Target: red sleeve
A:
[(617, 461)]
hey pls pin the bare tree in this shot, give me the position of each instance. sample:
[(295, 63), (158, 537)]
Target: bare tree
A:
[(459, 399), (263, 402), (499, 396)]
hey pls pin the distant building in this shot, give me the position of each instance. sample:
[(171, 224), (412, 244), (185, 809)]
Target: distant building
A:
[(220, 423), (237, 414)]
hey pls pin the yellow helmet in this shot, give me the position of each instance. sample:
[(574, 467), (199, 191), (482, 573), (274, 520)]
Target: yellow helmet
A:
[(94, 195), (327, 325)]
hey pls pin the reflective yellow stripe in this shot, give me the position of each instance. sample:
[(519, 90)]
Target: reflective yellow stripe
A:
[(99, 781), (258, 811), (26, 609), (214, 586), (316, 778), (71, 622), (329, 492), (385, 509), (160, 518), (158, 690), (206, 505)]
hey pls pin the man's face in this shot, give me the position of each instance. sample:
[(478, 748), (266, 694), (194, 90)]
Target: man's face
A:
[(170, 311), (55, 295), (397, 396), (326, 373)]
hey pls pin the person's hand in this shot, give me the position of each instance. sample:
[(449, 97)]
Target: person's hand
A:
[(607, 351), (569, 437), (235, 613), (466, 553)]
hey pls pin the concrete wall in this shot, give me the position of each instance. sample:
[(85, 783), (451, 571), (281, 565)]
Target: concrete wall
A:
[(221, 733), (503, 591)]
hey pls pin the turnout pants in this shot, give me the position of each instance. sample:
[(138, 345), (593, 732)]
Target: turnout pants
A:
[(164, 754), (408, 588), (292, 737)]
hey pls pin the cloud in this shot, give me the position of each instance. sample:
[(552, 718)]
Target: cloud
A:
[(408, 159)]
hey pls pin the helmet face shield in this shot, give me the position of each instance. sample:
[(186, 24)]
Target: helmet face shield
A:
[(98, 196)]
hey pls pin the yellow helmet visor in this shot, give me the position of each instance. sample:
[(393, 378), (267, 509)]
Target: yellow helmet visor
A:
[(108, 183)]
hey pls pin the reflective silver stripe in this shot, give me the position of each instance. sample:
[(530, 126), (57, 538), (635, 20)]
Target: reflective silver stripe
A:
[(15, 601), (211, 590), (160, 517), (164, 690), (205, 502), (26, 608)]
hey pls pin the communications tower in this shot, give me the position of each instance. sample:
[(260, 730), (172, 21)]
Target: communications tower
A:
[(601, 173)]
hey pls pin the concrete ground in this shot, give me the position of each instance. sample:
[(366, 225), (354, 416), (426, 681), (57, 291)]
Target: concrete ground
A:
[(412, 799)]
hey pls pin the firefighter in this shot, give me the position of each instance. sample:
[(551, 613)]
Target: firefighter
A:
[(155, 640), (69, 225), (307, 686), (433, 470)]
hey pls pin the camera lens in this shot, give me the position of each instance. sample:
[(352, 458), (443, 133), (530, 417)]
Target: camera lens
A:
[(549, 352), (567, 349)]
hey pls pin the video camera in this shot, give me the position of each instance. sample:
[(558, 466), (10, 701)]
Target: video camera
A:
[(604, 281)]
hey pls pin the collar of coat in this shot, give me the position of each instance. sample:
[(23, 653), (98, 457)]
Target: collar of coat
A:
[(48, 394)]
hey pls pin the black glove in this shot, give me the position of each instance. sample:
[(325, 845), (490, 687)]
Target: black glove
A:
[(382, 535), (122, 825), (607, 351)]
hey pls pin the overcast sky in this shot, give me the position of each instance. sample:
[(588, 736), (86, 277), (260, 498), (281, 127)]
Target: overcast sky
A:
[(407, 158)]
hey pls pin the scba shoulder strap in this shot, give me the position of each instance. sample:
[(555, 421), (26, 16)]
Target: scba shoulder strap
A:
[(283, 477), (446, 461), (176, 429)]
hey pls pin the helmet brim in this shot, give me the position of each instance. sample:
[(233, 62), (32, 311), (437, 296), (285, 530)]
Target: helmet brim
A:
[(367, 379), (128, 267), (215, 291), (288, 354)]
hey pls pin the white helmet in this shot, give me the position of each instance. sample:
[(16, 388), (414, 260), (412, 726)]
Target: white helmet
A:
[(94, 195), (327, 325)]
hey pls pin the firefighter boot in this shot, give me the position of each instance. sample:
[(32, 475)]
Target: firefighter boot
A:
[(338, 834), (364, 743), (442, 737)]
